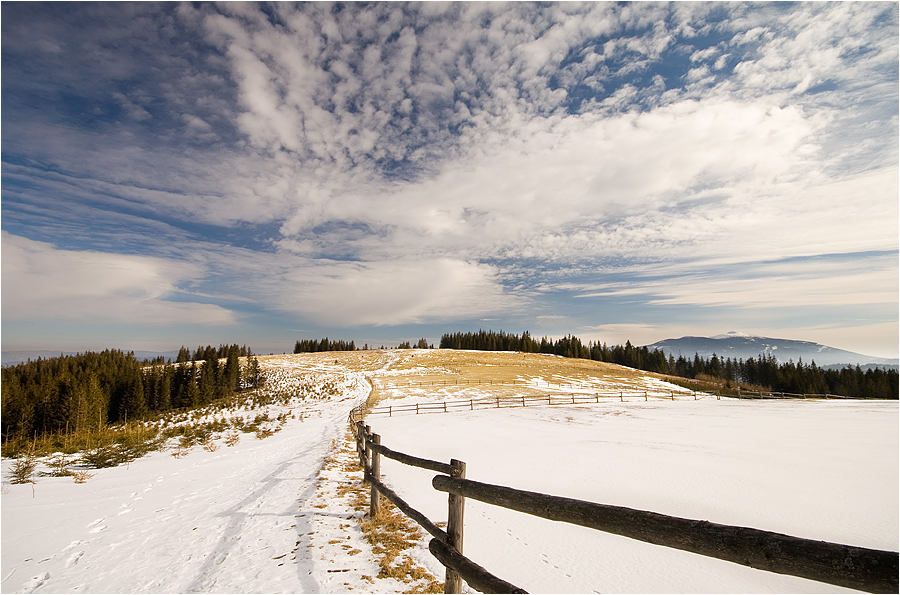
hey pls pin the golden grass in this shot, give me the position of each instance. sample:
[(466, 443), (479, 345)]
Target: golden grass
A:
[(419, 366), (501, 374), (391, 535)]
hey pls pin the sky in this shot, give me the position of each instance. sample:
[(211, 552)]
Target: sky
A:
[(186, 174)]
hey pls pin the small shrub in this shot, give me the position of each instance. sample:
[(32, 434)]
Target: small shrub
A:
[(210, 446), (232, 439), (82, 476), (23, 469), (60, 466), (102, 457)]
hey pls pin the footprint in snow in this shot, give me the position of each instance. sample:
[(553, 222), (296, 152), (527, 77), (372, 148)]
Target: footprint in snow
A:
[(35, 582), (97, 526), (74, 544), (74, 558)]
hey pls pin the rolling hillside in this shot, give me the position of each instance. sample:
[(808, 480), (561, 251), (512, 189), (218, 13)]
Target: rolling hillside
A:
[(284, 509)]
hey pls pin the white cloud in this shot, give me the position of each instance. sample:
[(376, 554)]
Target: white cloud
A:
[(41, 282), (824, 282), (392, 293), (420, 142)]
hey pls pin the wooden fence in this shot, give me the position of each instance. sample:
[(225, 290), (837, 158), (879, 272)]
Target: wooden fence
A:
[(528, 401), (589, 388), (571, 399), (875, 571)]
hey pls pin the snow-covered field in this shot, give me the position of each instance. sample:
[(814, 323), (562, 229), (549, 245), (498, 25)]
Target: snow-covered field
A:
[(818, 470), (268, 516)]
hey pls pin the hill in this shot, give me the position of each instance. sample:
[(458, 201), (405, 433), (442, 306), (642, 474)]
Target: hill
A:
[(281, 507), (737, 345)]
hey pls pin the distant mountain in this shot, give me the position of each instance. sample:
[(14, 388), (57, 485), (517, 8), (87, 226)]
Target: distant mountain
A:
[(742, 346), (12, 358)]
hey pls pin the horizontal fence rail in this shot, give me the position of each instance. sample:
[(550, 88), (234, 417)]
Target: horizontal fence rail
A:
[(408, 510), (477, 577), (846, 566), (411, 460)]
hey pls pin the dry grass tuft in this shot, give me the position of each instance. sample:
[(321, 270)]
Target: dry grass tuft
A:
[(391, 535)]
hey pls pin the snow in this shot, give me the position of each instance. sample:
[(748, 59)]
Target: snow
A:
[(269, 515), (223, 521), (733, 334), (819, 470)]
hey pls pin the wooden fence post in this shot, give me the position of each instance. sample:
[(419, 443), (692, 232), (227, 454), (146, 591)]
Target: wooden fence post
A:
[(375, 503), (361, 443), (456, 510)]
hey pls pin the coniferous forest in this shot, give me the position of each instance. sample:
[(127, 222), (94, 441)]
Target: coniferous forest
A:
[(313, 346), (764, 371), (88, 391)]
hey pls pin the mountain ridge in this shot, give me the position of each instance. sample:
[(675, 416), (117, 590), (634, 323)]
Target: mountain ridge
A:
[(737, 345)]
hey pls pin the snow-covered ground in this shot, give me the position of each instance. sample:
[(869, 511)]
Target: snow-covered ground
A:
[(240, 519), (819, 470), (272, 515)]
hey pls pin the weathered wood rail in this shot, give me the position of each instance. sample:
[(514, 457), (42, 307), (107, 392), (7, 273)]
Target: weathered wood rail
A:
[(864, 569)]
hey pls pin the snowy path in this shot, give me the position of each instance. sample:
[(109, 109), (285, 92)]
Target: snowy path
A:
[(226, 521)]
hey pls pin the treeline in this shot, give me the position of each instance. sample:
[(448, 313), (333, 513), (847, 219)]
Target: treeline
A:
[(763, 371), (90, 390), (421, 344), (314, 346), (208, 352)]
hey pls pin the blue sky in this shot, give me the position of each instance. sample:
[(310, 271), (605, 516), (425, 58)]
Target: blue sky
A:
[(193, 174)]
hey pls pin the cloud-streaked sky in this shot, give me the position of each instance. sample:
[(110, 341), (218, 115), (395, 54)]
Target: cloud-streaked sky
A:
[(184, 174)]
